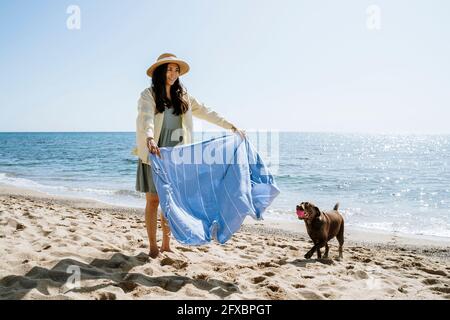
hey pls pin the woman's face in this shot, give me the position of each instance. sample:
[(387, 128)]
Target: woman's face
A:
[(173, 72)]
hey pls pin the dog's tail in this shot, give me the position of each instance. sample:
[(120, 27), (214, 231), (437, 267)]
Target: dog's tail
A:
[(336, 206)]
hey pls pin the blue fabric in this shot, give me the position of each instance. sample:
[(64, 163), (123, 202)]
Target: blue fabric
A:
[(207, 189)]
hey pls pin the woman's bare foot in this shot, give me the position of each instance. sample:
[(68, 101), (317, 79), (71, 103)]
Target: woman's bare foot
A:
[(154, 252), (165, 248)]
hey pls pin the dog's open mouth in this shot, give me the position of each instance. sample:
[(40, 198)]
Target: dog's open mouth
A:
[(300, 214)]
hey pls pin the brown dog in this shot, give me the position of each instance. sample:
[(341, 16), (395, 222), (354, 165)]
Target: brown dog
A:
[(322, 227)]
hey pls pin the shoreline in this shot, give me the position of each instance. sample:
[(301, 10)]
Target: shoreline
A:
[(356, 234)]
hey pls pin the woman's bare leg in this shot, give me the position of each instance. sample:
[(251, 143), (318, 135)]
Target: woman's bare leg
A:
[(151, 216), (166, 234)]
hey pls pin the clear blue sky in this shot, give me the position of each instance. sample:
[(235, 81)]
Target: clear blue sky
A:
[(286, 65)]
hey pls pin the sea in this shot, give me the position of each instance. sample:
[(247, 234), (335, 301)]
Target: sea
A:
[(383, 182)]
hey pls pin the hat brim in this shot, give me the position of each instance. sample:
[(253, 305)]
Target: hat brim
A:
[(184, 67)]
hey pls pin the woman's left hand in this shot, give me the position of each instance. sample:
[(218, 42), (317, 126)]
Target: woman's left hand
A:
[(242, 133)]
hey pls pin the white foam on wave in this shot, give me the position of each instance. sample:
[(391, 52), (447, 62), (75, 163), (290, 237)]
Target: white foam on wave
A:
[(407, 229), (10, 179), (127, 198), (280, 214)]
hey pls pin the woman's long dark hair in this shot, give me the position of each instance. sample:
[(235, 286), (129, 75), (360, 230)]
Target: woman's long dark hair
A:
[(177, 91)]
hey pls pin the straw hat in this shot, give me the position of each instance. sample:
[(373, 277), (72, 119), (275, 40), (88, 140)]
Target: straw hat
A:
[(168, 58)]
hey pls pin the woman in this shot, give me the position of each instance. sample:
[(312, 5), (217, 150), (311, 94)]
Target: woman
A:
[(164, 119)]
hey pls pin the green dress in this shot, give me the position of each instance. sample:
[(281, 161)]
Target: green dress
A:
[(167, 138)]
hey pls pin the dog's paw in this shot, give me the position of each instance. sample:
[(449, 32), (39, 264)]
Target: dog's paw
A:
[(307, 256)]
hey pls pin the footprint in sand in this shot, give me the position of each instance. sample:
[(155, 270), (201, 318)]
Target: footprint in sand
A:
[(274, 287), (240, 266), (246, 256), (255, 250), (258, 279), (185, 249), (220, 269), (110, 250), (310, 295), (15, 224), (402, 289), (281, 262), (201, 276), (359, 274), (435, 272), (20, 227), (75, 237), (441, 289), (327, 261), (430, 281), (106, 296), (176, 263), (127, 286), (267, 264), (269, 274), (416, 264)]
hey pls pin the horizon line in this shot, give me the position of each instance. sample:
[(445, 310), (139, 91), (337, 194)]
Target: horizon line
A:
[(261, 130)]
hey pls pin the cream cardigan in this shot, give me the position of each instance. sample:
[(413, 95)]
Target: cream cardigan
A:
[(148, 124)]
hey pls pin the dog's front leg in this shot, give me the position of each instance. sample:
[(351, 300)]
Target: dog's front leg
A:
[(320, 245), (327, 248), (319, 255), (310, 252)]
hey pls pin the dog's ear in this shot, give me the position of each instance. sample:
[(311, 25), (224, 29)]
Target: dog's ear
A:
[(317, 211)]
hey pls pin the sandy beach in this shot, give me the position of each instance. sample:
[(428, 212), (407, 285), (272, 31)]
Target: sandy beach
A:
[(45, 240)]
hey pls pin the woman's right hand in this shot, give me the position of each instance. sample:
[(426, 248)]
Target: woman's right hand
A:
[(153, 147)]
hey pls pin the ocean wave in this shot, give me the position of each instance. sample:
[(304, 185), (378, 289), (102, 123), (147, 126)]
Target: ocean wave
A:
[(405, 229), (12, 179), (7, 175), (132, 193), (83, 192), (108, 192), (8, 164), (281, 214)]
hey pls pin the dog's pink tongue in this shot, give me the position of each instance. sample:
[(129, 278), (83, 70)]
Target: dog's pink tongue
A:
[(301, 214)]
